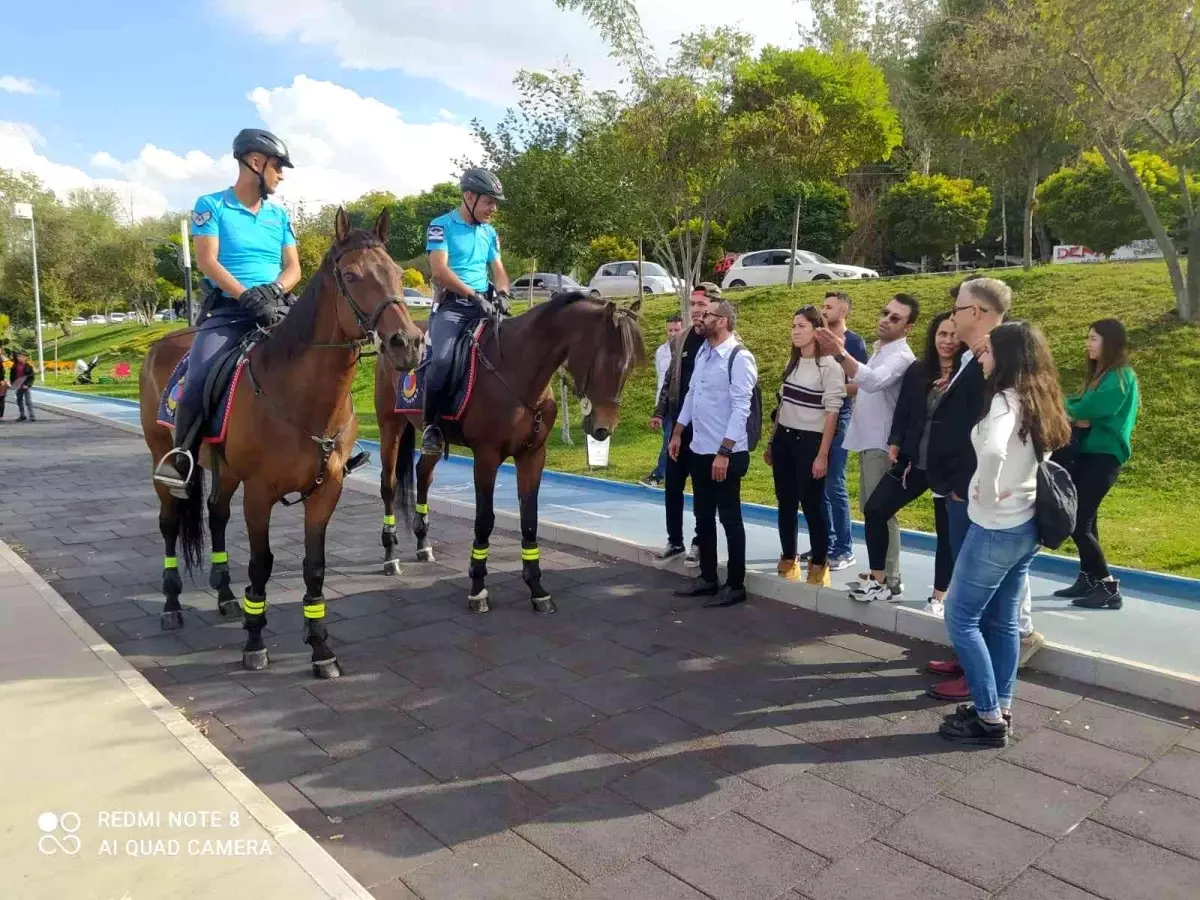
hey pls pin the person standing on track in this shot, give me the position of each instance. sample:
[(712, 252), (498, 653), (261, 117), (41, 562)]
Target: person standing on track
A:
[(662, 362)]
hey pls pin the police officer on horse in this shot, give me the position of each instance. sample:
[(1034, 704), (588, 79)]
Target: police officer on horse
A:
[(464, 259), (246, 248)]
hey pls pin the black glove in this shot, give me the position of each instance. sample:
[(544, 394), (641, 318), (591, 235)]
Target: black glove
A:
[(261, 299), (504, 302)]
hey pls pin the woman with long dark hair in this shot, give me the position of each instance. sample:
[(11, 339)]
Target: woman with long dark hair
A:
[(908, 449), (1023, 416), (805, 421), (1103, 414)]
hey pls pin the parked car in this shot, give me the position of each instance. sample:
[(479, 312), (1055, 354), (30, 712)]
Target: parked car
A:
[(118, 317), (97, 320), (771, 267), (165, 315), (545, 284), (78, 322), (414, 298), (620, 279)]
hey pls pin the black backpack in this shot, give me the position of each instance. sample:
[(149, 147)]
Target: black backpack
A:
[(1056, 503), (754, 420)]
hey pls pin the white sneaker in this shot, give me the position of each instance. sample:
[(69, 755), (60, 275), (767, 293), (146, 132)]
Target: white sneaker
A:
[(693, 556), (869, 591), (935, 608)]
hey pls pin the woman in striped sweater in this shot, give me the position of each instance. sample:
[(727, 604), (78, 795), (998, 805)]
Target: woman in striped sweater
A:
[(805, 421)]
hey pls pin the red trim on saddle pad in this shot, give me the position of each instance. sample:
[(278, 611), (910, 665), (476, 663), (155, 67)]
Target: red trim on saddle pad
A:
[(471, 373), (237, 376)]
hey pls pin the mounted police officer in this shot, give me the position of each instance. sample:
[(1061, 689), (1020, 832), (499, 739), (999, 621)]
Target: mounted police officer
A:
[(246, 249), (464, 259)]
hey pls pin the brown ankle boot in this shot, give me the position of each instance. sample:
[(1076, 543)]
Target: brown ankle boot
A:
[(789, 569), (819, 575)]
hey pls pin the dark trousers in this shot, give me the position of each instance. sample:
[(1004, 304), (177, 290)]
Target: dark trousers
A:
[(25, 404), (720, 498), (219, 333), (792, 455), (2, 399), (891, 495), (678, 471), (1094, 475), (452, 316)]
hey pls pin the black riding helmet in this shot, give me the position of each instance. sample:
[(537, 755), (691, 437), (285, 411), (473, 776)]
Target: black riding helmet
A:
[(257, 140), (481, 181)]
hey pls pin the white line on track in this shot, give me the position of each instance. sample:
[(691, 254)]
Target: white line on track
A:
[(586, 512), (1063, 615)]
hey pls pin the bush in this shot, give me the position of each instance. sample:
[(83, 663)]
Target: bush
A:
[(413, 278)]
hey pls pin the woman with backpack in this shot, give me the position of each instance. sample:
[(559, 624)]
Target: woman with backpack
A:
[(1103, 415), (806, 418)]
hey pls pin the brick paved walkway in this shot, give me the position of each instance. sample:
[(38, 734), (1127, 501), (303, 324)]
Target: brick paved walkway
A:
[(629, 747)]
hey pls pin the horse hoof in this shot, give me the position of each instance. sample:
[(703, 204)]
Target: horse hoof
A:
[(478, 603), (254, 660), (171, 621), (229, 609), (326, 668), (425, 554), (392, 567), (544, 606)]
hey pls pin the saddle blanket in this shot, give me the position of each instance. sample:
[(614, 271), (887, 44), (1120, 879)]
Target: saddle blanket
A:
[(410, 385), (217, 419)]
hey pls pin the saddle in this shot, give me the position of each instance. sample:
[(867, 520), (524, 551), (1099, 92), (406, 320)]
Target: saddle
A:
[(220, 384), (460, 385)]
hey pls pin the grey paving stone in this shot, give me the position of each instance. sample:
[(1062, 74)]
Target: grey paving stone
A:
[(414, 615), (641, 881), (444, 665), (500, 650), (360, 730), (284, 709), (380, 845), (1178, 770), (1191, 740), (112, 614), (1048, 690), (433, 636), (647, 734), (358, 605), (965, 842), (392, 890), (593, 656), (617, 691), (1076, 761), (374, 688), (1157, 815), (566, 768), (299, 808), (206, 696), (149, 651), (543, 717), (1119, 867), (474, 808), (1119, 729), (1036, 885), (364, 782), (459, 751), (763, 756), (598, 834), (874, 870), (821, 816), (732, 858), (902, 783), (502, 867), (275, 756), (347, 631), (715, 711), (686, 790), (523, 678), (440, 706), (1028, 798)]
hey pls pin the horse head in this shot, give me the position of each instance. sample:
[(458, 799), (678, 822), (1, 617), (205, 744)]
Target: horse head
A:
[(370, 284), (601, 363)]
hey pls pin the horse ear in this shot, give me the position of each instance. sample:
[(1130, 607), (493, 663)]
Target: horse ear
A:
[(636, 306), (383, 224), (341, 226)]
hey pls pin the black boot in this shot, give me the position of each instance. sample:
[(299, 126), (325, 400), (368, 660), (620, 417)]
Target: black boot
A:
[(431, 437), (1083, 586), (1105, 595)]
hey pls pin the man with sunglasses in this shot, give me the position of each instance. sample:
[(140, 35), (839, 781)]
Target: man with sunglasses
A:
[(878, 388), (246, 248)]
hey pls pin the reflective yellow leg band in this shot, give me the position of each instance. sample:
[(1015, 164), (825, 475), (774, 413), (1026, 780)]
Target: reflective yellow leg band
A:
[(253, 607), (479, 553), (422, 509), (170, 562), (530, 554), (314, 610), (220, 556), (389, 520)]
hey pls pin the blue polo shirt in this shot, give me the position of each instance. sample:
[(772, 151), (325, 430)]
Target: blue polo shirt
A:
[(251, 244), (468, 248)]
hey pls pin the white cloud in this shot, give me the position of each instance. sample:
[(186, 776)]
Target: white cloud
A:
[(477, 46), (14, 84), (343, 145), (446, 116)]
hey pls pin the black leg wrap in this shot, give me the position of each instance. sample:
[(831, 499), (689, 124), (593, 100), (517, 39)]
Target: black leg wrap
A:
[(324, 662), (219, 581), (254, 651), (477, 600), (391, 565), (543, 603), (172, 614)]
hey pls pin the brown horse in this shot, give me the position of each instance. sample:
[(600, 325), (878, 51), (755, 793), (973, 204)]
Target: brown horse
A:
[(511, 413), (291, 430)]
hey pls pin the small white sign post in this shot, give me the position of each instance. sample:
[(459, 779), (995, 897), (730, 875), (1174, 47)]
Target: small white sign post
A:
[(25, 211), (597, 452)]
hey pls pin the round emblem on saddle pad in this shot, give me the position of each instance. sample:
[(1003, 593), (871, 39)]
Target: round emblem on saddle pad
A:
[(409, 387), (173, 397)]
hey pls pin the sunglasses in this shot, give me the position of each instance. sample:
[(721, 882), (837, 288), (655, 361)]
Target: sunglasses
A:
[(894, 318)]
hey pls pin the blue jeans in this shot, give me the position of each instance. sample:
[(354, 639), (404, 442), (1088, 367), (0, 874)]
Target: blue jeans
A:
[(660, 470), (837, 498), (982, 609)]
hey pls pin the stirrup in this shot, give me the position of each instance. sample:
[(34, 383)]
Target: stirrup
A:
[(432, 443), (167, 472), (357, 461)]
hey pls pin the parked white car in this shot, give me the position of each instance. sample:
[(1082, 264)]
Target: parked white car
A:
[(415, 299), (78, 322), (771, 267), (97, 320), (620, 279), (117, 317)]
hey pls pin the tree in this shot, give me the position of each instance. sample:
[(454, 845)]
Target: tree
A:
[(604, 249), (824, 221), (1087, 204), (929, 215)]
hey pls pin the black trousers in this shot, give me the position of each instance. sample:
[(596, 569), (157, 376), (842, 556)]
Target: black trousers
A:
[(677, 474), (792, 455), (711, 499), (892, 494), (1094, 475)]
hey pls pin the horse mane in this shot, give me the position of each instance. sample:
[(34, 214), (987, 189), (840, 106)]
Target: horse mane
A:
[(623, 339)]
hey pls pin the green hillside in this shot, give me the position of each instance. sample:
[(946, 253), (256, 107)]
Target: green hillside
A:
[(1149, 520)]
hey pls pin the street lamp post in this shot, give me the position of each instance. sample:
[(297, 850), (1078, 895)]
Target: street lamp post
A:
[(25, 211), (186, 257)]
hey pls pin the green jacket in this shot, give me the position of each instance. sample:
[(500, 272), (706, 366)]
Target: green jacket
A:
[(1112, 408)]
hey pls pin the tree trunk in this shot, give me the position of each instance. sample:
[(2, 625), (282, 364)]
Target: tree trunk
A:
[(1190, 310), (1030, 197), (1045, 249), (795, 238), (1118, 162)]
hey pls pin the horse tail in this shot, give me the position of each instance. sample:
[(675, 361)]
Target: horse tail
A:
[(405, 475), (191, 522)]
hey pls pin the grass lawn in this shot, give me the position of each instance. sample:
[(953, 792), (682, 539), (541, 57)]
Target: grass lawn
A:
[(1148, 521)]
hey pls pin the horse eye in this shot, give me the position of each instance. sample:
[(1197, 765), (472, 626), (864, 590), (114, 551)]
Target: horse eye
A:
[(351, 276)]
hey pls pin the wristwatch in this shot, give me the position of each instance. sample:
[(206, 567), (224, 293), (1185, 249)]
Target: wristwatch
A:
[(839, 357), (724, 451)]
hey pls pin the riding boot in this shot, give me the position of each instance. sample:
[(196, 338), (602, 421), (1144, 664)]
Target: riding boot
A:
[(431, 437), (175, 469)]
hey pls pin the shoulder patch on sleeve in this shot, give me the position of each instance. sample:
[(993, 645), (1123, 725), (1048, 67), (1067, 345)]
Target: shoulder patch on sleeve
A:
[(201, 218), (435, 234)]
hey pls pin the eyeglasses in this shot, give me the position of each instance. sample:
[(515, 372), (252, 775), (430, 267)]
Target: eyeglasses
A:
[(959, 309), (712, 315), (892, 317)]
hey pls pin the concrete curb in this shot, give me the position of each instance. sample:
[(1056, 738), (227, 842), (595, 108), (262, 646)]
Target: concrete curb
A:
[(1135, 678), (323, 869)]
